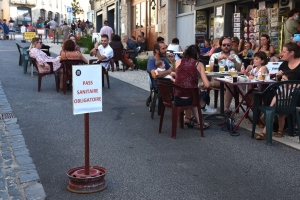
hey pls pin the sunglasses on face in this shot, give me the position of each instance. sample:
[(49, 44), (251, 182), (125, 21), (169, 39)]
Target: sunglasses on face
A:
[(224, 45)]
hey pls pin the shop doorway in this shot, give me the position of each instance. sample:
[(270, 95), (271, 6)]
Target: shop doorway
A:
[(99, 22)]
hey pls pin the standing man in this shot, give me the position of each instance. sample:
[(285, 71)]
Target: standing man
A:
[(107, 30), (52, 24), (131, 52), (104, 52), (291, 25), (225, 58), (47, 28)]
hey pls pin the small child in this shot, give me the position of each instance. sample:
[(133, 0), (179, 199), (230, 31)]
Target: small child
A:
[(160, 66), (258, 67), (288, 75)]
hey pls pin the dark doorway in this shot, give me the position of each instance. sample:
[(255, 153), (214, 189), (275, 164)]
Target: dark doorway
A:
[(111, 18), (99, 22)]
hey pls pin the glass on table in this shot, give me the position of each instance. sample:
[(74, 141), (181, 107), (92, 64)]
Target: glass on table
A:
[(207, 68), (221, 68)]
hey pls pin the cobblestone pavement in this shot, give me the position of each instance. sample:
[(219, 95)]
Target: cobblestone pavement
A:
[(18, 176)]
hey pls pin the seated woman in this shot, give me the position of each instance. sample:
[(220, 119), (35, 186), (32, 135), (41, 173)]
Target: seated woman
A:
[(188, 71), (215, 45), (41, 57), (236, 45), (207, 47), (68, 52), (288, 75), (175, 47), (73, 38), (116, 44), (265, 45)]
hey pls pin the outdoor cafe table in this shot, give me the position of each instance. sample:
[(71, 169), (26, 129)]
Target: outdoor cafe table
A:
[(240, 91)]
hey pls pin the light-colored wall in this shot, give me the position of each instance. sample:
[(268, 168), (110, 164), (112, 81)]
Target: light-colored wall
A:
[(10, 10)]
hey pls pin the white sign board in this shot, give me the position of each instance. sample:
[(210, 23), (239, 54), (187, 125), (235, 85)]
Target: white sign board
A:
[(273, 67), (87, 88)]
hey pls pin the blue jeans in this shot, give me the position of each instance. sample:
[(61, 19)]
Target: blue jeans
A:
[(47, 31)]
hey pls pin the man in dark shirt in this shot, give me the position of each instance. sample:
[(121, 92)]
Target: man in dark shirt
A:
[(131, 52)]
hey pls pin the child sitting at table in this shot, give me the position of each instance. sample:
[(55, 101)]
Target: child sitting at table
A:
[(160, 66), (288, 75), (259, 65)]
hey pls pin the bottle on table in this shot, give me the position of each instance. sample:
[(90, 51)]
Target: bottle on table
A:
[(243, 68), (216, 65)]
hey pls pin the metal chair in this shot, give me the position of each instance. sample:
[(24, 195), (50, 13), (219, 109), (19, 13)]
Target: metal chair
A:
[(166, 91), (287, 94)]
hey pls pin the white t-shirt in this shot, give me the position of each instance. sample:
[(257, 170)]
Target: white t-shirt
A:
[(175, 48), (108, 52), (23, 29), (106, 30)]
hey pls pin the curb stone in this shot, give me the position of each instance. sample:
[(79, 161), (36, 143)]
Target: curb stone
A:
[(18, 176)]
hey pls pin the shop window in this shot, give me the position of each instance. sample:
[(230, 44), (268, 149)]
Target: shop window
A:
[(56, 17), (50, 15), (42, 14), (139, 15), (24, 15), (181, 8)]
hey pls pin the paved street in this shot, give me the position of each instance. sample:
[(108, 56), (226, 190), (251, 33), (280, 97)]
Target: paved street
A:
[(140, 162)]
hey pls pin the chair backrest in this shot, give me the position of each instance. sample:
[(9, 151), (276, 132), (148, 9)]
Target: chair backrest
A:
[(118, 54), (166, 92), (19, 48), (67, 65), (286, 93)]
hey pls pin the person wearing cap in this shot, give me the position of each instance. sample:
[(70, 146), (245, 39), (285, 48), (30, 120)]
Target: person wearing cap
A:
[(107, 30)]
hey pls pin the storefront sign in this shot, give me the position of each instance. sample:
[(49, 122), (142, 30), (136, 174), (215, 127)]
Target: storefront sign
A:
[(87, 88), (219, 11), (29, 35)]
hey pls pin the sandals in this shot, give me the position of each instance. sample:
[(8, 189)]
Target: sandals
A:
[(190, 122), (205, 125), (279, 134), (261, 136)]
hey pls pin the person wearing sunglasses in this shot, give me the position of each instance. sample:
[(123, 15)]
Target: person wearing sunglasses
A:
[(229, 59), (41, 57)]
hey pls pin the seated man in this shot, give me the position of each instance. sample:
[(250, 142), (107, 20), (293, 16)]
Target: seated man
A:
[(225, 58), (104, 52), (141, 41), (159, 52), (131, 52)]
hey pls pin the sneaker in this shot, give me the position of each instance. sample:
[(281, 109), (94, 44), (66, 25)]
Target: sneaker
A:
[(208, 110)]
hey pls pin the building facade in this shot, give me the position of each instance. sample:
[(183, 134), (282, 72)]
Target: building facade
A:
[(205, 19), (31, 11)]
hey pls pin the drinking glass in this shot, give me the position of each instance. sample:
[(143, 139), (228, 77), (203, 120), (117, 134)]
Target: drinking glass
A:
[(207, 68)]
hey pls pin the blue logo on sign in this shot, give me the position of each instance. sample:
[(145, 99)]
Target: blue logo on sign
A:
[(69, 9)]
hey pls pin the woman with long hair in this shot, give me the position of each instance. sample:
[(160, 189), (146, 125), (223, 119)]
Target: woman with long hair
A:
[(41, 57), (188, 71)]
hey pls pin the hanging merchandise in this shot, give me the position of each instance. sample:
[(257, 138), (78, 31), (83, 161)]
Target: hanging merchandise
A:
[(237, 25)]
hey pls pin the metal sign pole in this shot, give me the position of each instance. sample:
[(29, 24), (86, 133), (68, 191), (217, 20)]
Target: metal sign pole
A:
[(87, 143)]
